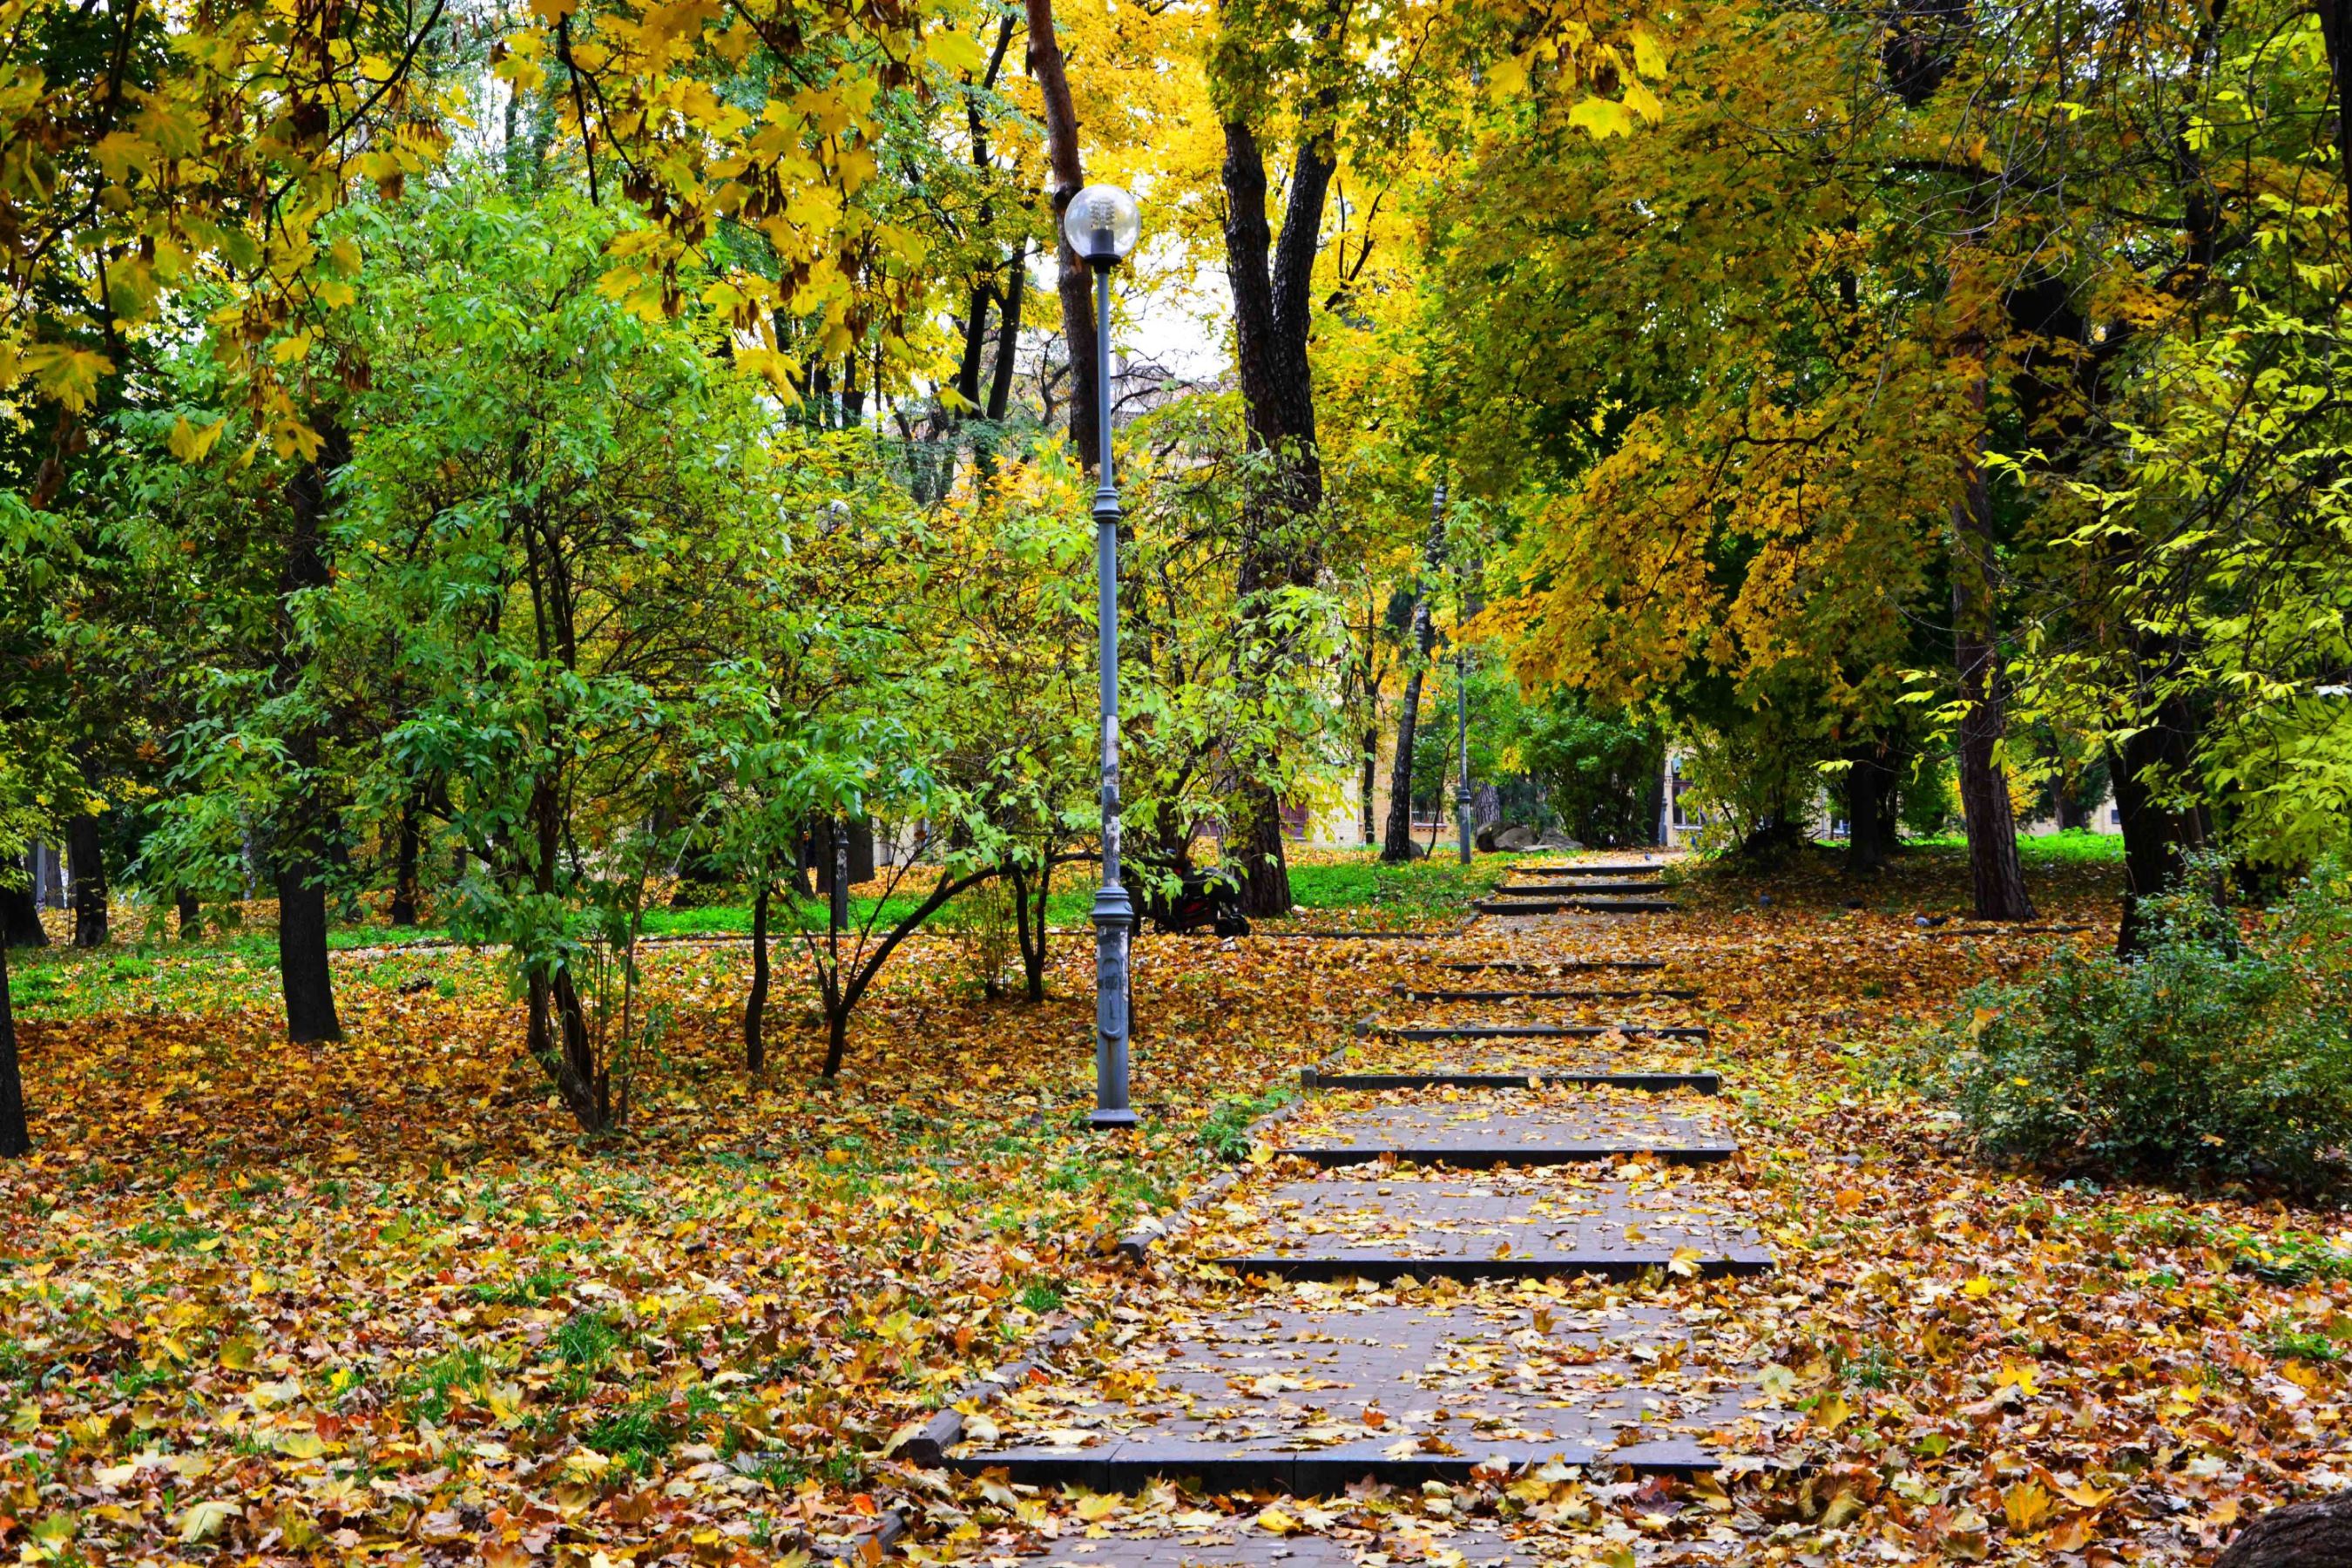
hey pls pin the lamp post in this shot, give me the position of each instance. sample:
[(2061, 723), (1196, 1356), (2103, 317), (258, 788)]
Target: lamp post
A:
[(1101, 225), (1462, 734)]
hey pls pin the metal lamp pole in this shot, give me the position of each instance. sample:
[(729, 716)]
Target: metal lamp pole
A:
[(1101, 225), (1462, 736)]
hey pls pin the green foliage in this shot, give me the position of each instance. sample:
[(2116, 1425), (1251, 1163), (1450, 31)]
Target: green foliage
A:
[(1225, 1131), (2220, 1053), (1598, 770)]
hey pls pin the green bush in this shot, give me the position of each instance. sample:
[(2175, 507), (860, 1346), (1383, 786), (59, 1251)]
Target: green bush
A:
[(2226, 1051)]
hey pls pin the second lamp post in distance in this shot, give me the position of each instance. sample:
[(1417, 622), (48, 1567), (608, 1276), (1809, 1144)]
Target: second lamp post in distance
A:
[(1102, 223)]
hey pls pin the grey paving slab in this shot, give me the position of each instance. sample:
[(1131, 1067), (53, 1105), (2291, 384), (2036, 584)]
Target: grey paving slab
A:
[(1645, 1082), (1311, 1397), (1548, 966), (1489, 1130), (1552, 993), (1575, 906), (1538, 1031), (1594, 868), (1239, 1543), (1500, 1225), (1586, 885)]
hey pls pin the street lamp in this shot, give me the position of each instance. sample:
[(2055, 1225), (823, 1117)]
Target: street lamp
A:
[(1101, 225)]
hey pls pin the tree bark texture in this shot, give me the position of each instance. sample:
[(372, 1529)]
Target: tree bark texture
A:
[(1995, 876), (1075, 283), (307, 984), (1868, 783), (2315, 1534), (2156, 841), (755, 1006), (1273, 309), (404, 874), (15, 1137), (1398, 845), (192, 916), (298, 856), (20, 916), (85, 861)]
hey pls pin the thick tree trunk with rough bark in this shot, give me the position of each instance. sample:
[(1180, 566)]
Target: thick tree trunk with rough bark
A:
[(303, 976), (2315, 1534), (15, 1137), (299, 856), (20, 916), (1273, 309), (1868, 782), (1995, 878), (86, 863), (1075, 283)]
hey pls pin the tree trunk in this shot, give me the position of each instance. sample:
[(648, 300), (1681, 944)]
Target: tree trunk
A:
[(404, 876), (20, 915), (15, 1138), (192, 916), (836, 1040), (755, 1006), (1372, 767), (303, 974), (560, 1040), (1398, 843), (2315, 1534), (1273, 309), (2157, 841), (1075, 284), (1868, 784), (1033, 935), (86, 864), (1995, 878), (298, 856)]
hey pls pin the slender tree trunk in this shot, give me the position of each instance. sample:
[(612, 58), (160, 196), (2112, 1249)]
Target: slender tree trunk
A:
[(836, 1040), (86, 862), (755, 1006), (305, 979), (1077, 284), (1996, 877), (1399, 846), (192, 916), (1031, 929), (404, 876), (15, 1138), (1372, 767)]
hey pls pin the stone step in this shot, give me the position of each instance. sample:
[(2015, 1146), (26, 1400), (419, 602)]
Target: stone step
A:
[(1477, 1133), (1627, 869), (1314, 1390), (1538, 1031), (1665, 994), (1539, 1077), (1501, 1226), (1549, 889), (1576, 906), (1550, 965)]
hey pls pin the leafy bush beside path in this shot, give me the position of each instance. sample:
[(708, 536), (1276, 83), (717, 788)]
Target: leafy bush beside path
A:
[(2225, 1052)]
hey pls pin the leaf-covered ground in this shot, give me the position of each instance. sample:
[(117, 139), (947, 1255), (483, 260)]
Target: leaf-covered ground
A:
[(378, 1301)]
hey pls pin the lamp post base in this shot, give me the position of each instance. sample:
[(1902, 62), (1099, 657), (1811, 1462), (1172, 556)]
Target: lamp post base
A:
[(1120, 1118)]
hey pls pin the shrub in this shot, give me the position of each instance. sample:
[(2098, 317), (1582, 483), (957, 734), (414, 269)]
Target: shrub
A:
[(2224, 1051)]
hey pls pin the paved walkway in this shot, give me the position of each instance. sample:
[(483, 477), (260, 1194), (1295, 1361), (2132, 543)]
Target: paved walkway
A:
[(1332, 1340)]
